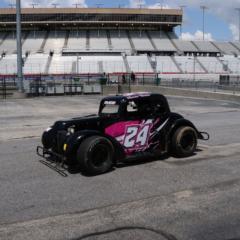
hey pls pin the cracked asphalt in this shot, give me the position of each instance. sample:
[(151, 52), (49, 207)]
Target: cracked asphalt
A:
[(194, 198)]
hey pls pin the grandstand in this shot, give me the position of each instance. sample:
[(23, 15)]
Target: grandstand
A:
[(75, 41)]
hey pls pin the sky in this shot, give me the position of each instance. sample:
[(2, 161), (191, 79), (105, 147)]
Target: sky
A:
[(221, 17)]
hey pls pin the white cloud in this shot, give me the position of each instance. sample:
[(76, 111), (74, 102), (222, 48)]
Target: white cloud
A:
[(198, 35), (223, 9), (159, 6), (137, 3), (235, 31), (48, 3)]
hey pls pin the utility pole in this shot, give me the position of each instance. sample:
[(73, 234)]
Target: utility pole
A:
[(181, 26), (77, 4), (160, 4), (204, 8), (19, 47), (238, 10), (55, 5), (11, 5), (33, 5), (99, 5)]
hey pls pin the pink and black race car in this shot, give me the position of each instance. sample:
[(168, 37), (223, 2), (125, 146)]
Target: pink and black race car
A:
[(127, 127)]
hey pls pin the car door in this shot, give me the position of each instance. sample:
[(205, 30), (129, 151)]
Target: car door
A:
[(134, 130)]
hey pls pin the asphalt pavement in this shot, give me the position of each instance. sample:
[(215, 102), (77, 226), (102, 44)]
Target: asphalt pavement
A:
[(194, 198)]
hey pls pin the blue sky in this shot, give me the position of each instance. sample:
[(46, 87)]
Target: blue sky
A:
[(221, 17)]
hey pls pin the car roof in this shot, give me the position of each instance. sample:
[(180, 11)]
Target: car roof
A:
[(132, 96)]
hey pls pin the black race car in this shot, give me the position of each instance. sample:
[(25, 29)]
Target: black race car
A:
[(127, 127)]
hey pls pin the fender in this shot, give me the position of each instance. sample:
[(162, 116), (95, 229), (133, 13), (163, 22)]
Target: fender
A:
[(74, 141)]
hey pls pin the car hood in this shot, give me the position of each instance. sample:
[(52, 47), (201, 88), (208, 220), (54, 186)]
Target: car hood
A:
[(80, 123)]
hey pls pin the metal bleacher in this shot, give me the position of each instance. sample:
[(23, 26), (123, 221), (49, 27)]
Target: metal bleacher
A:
[(227, 48), (139, 64), (9, 64), (55, 41), (206, 46), (61, 64), (141, 41), (165, 64), (161, 41), (9, 45), (189, 64), (98, 40), (77, 40), (34, 41), (120, 40), (116, 51), (35, 64)]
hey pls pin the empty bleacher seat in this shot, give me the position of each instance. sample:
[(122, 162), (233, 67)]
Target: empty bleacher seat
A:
[(33, 41), (165, 64), (77, 40), (212, 64), (227, 48), (9, 64), (232, 63), (98, 40), (139, 64), (141, 40), (185, 46), (206, 46), (189, 64), (62, 64), (10, 44), (36, 64), (55, 41), (120, 40), (161, 41)]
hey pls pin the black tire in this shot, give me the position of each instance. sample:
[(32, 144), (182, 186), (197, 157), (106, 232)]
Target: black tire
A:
[(184, 142), (95, 155), (48, 138)]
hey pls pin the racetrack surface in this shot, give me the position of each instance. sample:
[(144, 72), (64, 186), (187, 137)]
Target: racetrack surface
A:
[(194, 198)]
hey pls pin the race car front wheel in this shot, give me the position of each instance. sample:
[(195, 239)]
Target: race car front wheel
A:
[(184, 142), (95, 155)]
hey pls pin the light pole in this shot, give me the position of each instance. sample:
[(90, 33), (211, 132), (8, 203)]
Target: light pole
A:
[(181, 27), (19, 47), (238, 10), (55, 5), (204, 8)]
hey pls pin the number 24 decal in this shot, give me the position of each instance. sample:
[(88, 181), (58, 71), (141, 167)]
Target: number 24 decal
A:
[(137, 136)]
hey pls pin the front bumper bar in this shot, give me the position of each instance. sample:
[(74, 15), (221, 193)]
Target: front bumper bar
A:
[(52, 160)]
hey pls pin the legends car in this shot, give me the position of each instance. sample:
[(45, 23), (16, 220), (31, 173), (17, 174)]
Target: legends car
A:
[(127, 127)]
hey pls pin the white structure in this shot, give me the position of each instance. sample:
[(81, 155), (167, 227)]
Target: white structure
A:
[(162, 42), (77, 40), (141, 41), (189, 65), (227, 48), (8, 65), (33, 42), (120, 40), (206, 46), (212, 64), (55, 41), (165, 64), (62, 64), (36, 64), (9, 45), (139, 64), (98, 40)]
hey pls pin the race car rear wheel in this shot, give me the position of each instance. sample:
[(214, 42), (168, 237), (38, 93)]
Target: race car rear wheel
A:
[(95, 155), (184, 142)]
